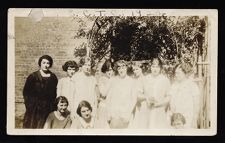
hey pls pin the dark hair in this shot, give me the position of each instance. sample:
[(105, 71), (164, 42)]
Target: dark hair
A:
[(106, 66), (47, 57), (136, 64), (61, 99), (83, 103), (145, 68), (177, 116), (186, 67), (71, 64)]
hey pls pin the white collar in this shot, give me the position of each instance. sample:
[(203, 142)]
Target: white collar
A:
[(86, 125), (44, 74)]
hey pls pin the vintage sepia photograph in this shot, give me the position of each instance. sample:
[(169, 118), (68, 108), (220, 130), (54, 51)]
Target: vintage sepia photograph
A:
[(112, 72)]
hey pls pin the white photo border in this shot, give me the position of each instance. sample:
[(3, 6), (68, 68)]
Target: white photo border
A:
[(212, 15)]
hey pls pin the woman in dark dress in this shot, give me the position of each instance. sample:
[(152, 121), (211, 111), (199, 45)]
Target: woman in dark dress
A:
[(39, 94)]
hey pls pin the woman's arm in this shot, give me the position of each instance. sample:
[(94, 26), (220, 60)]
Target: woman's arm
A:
[(59, 88), (48, 122), (28, 90)]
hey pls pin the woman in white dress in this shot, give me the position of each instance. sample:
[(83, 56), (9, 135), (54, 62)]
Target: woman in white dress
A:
[(66, 85), (104, 85), (140, 113), (155, 89), (120, 97), (85, 85), (185, 95)]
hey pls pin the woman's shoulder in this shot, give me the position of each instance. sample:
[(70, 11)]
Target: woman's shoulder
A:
[(163, 78), (78, 76), (103, 79), (76, 124), (34, 75), (192, 84), (63, 79), (52, 115), (53, 74)]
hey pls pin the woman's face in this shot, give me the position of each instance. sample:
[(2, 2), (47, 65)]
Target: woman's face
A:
[(155, 69), (122, 70), (45, 65), (137, 71), (109, 73), (70, 71), (179, 74), (85, 112), (62, 107), (86, 68), (178, 124)]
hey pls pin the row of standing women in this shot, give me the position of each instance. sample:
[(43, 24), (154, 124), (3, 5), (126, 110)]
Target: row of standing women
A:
[(113, 100)]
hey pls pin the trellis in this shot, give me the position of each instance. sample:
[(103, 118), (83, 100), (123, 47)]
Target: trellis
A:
[(203, 80)]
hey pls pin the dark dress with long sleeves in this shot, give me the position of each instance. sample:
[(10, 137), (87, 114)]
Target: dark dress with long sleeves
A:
[(39, 95)]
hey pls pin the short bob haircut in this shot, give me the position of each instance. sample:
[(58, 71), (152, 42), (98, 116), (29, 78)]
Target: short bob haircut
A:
[(47, 57), (71, 64), (83, 103), (61, 99), (186, 67), (177, 116), (137, 64), (106, 66)]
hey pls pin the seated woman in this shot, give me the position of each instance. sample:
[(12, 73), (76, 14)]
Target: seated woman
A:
[(85, 119), (59, 119)]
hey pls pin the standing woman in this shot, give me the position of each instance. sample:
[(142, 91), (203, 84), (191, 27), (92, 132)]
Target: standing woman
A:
[(120, 97), (85, 86), (140, 111), (185, 95), (155, 89), (66, 85), (104, 85), (39, 94)]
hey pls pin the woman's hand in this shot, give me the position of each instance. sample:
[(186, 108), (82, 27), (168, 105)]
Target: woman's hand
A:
[(151, 102)]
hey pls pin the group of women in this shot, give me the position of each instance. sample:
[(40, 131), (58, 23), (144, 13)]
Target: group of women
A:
[(114, 99)]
